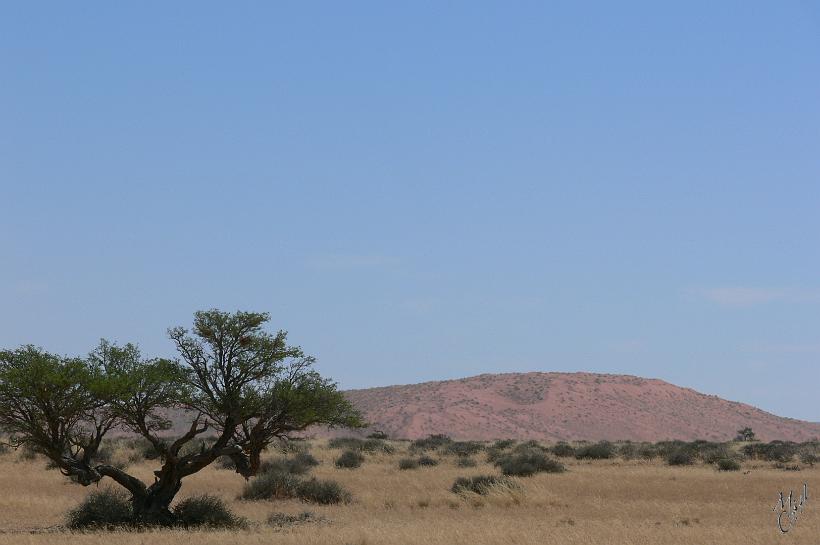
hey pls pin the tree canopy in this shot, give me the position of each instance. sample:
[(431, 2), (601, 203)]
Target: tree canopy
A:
[(234, 382)]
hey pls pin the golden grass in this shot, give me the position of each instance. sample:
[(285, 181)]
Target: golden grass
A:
[(602, 502)]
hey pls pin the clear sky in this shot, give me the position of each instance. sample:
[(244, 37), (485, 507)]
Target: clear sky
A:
[(424, 191)]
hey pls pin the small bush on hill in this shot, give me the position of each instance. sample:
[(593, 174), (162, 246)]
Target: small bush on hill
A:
[(324, 492), (432, 442), (483, 484), (680, 457), (270, 485), (526, 463), (102, 509), (206, 512), (408, 463), (563, 450), (728, 464), (463, 448), (602, 450), (350, 459)]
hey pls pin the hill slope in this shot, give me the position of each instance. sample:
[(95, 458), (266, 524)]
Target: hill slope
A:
[(555, 406)]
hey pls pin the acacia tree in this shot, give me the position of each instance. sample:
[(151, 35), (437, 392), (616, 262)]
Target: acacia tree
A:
[(243, 386)]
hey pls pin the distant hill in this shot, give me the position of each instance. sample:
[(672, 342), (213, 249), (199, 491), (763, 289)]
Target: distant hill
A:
[(570, 406)]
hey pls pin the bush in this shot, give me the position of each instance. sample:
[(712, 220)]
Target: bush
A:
[(350, 459), (322, 492), (503, 444), (776, 451), (809, 458), (101, 509), (524, 464), (408, 463), (466, 461), (680, 457), (433, 442), (208, 512), (270, 485), (648, 451), (463, 448), (224, 462), (482, 484), (378, 435), (728, 464), (297, 465), (563, 450), (602, 450)]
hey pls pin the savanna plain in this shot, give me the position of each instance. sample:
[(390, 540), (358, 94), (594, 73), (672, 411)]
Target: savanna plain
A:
[(403, 492)]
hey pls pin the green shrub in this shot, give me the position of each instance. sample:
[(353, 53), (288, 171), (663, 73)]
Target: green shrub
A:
[(776, 451), (563, 450), (370, 445), (224, 462), (208, 512), (483, 484), (680, 457), (524, 464), (503, 444), (324, 492), (101, 509), (463, 448), (270, 485), (809, 458), (378, 435), (433, 442), (465, 461), (408, 463), (350, 459), (648, 451), (602, 450), (298, 464), (728, 464)]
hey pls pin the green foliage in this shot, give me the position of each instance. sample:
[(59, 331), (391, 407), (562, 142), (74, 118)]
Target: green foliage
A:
[(745, 434), (297, 465), (206, 512), (483, 484), (563, 450), (349, 459), (101, 509), (323, 492), (680, 457), (602, 450), (271, 485), (728, 464), (524, 463), (775, 451), (503, 444), (408, 463), (463, 448)]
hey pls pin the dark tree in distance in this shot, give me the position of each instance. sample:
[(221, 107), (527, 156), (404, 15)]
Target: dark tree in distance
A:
[(243, 385)]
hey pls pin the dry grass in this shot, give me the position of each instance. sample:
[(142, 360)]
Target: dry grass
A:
[(604, 502)]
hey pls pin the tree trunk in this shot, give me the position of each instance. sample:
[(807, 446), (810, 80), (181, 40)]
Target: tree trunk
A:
[(154, 507)]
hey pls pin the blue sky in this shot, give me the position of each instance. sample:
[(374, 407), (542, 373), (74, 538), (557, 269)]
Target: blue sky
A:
[(422, 192)]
